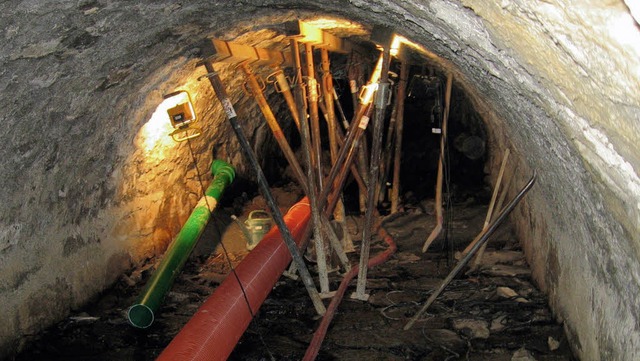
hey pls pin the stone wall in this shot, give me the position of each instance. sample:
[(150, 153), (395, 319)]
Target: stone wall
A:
[(83, 198)]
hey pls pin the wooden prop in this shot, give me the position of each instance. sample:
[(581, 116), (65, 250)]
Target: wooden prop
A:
[(402, 91), (487, 219), (492, 228), (443, 139)]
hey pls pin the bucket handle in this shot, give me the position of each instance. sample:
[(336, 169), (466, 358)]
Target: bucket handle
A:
[(254, 214)]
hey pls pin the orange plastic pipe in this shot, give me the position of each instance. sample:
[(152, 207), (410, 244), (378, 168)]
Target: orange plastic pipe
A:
[(213, 332)]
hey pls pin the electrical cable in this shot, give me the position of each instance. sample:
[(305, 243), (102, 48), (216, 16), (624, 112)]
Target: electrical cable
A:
[(226, 254)]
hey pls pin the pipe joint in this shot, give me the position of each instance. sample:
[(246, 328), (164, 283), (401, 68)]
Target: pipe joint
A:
[(221, 167)]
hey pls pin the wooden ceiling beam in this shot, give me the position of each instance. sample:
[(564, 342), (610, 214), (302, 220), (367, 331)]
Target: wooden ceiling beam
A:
[(227, 51), (309, 34)]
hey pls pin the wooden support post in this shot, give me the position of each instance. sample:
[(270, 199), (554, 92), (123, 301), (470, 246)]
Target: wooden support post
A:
[(359, 178), (327, 90), (478, 258), (355, 170), (380, 103), (332, 126), (230, 112), (256, 90), (402, 91), (443, 140), (358, 126), (312, 96), (354, 74), (340, 142), (387, 153), (321, 258), (492, 203), (282, 86), (501, 217), (338, 172)]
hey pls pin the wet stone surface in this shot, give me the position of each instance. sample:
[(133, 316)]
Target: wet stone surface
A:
[(495, 313)]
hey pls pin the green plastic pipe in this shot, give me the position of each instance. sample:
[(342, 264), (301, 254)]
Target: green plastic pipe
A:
[(141, 314)]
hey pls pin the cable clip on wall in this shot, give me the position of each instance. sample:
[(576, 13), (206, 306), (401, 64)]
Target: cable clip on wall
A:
[(181, 116)]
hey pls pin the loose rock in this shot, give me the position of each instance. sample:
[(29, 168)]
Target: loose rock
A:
[(446, 338), (474, 328), (553, 343), (506, 271), (498, 323), (522, 355), (506, 292)]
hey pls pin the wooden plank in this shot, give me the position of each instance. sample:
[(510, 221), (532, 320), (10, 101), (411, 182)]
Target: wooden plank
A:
[(227, 51), (382, 36), (309, 34)]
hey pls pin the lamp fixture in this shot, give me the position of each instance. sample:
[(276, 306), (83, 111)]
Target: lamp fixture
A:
[(181, 115)]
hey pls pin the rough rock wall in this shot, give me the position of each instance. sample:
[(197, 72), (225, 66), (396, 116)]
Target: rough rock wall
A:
[(580, 65), (557, 81), (89, 187)]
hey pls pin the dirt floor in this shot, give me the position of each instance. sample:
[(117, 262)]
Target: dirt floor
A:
[(495, 313)]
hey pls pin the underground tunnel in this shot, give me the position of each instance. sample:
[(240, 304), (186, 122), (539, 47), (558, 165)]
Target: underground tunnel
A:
[(95, 189)]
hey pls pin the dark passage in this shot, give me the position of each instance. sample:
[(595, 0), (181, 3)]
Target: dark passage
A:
[(466, 149)]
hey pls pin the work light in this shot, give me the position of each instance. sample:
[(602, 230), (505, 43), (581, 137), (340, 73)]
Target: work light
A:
[(181, 114)]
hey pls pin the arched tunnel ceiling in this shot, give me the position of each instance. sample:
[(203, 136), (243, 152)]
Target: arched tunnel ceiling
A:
[(555, 81)]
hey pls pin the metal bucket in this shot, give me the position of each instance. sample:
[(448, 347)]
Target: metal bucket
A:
[(258, 224)]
